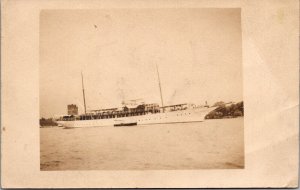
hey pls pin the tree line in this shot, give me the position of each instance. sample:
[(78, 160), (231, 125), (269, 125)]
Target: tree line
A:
[(226, 111), (47, 122)]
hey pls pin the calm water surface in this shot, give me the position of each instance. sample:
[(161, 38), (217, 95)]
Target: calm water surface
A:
[(212, 144)]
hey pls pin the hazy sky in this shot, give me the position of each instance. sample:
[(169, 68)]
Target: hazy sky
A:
[(198, 53)]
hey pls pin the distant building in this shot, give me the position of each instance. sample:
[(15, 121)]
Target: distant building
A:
[(72, 109)]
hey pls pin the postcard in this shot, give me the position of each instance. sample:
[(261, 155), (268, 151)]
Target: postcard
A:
[(167, 94)]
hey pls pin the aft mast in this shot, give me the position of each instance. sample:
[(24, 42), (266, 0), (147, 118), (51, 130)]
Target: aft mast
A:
[(83, 93), (161, 97)]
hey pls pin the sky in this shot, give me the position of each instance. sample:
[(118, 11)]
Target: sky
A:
[(198, 53)]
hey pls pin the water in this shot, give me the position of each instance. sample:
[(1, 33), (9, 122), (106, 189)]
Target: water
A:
[(212, 144)]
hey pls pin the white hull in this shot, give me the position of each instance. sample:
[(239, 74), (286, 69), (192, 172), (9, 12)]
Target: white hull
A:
[(181, 116)]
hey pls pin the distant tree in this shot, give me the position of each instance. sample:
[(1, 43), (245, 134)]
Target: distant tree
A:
[(219, 115), (223, 111), (237, 113), (47, 122), (219, 103), (240, 104), (241, 107)]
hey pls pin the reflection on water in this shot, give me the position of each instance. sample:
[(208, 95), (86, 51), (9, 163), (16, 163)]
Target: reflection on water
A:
[(212, 144)]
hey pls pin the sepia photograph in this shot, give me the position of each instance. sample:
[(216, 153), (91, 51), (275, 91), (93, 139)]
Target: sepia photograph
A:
[(141, 89), (149, 94)]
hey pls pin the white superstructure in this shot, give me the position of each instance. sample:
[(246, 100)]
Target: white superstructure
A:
[(196, 114)]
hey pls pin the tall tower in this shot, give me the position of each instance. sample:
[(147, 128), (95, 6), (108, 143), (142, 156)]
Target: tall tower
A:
[(72, 109)]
